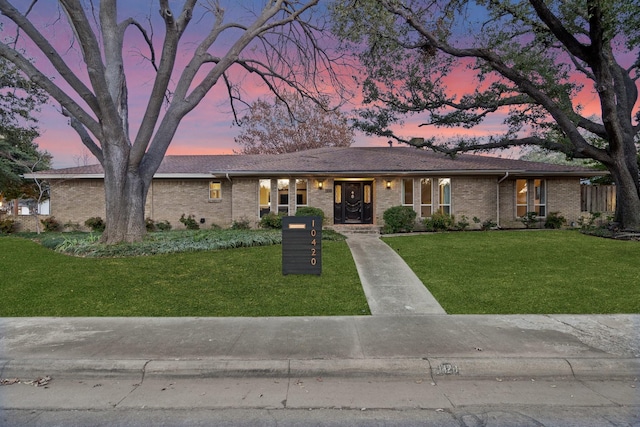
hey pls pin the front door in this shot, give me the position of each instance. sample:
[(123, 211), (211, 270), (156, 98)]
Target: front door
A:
[(353, 202)]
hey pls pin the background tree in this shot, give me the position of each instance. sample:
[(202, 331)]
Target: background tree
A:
[(19, 100), (292, 123), (279, 43), (525, 61)]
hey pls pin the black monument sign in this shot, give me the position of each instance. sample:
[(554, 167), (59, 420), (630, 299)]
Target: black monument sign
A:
[(302, 245)]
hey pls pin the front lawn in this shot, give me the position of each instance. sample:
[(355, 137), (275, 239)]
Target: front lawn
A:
[(519, 272), (246, 281)]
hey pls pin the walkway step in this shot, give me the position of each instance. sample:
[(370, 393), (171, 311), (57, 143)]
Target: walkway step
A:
[(355, 228), (391, 287)]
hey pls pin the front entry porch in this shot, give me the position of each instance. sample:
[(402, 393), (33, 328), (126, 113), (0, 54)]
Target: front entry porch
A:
[(353, 202)]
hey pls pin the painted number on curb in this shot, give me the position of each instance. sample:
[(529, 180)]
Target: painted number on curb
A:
[(447, 369)]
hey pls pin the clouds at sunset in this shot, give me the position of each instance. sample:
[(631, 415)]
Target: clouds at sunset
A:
[(208, 128)]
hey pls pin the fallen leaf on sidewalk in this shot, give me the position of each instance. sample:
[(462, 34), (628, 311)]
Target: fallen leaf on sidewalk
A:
[(9, 381), (39, 382)]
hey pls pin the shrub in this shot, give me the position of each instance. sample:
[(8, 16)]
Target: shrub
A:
[(272, 220), (594, 220), (488, 224), (150, 225), (95, 223), (7, 226), (554, 220), (163, 225), (71, 226), (399, 219), (310, 211), (50, 224), (463, 224), (530, 219), (241, 224), (439, 221), (190, 222), (485, 225)]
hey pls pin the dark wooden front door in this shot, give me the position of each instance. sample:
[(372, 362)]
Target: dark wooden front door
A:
[(353, 202)]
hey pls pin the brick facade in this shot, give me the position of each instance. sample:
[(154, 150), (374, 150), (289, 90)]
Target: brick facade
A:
[(74, 201), (169, 199)]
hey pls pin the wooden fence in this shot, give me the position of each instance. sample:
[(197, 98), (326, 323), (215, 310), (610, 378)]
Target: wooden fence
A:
[(598, 198)]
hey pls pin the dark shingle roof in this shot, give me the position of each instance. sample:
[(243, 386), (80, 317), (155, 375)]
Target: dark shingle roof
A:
[(343, 161)]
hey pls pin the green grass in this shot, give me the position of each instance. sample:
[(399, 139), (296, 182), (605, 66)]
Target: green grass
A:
[(246, 281), (520, 272)]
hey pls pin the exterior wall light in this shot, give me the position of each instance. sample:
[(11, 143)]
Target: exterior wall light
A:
[(388, 184), (320, 184)]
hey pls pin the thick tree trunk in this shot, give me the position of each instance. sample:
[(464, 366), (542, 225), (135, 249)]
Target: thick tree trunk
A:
[(125, 196), (627, 199)]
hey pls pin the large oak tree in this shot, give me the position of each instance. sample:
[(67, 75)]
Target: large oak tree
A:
[(528, 62), (277, 41)]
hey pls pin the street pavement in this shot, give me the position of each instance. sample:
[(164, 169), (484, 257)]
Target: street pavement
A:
[(404, 365)]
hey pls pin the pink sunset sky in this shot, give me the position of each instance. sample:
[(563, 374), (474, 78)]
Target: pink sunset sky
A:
[(208, 129)]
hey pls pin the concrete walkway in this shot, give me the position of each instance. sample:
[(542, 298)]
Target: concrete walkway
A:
[(390, 286)]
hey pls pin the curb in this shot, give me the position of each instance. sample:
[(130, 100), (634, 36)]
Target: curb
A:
[(435, 369)]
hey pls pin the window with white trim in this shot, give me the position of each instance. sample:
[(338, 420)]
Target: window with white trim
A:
[(215, 190), (407, 191), (283, 196), (537, 203), (301, 192), (264, 197), (426, 198), (444, 195), (540, 197), (522, 202)]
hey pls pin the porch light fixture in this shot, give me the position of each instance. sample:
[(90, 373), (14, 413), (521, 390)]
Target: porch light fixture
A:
[(388, 184), (320, 184)]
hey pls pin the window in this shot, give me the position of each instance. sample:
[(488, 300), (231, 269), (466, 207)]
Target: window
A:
[(407, 191), (522, 206), (426, 204), (265, 197), (215, 190), (444, 191), (301, 192), (540, 197), (283, 196), (523, 203)]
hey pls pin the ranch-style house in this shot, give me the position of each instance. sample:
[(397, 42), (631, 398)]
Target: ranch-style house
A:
[(352, 186)]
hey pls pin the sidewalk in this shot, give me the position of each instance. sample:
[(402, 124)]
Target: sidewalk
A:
[(460, 346)]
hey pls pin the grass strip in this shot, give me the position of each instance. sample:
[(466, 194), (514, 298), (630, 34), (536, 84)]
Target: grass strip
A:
[(245, 281), (525, 272)]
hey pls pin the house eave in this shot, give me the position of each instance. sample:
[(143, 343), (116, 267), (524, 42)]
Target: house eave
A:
[(341, 173), (385, 173), (63, 176), (101, 176)]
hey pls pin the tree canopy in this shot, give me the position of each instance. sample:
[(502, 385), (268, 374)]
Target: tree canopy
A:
[(525, 67), (292, 123), (19, 100)]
